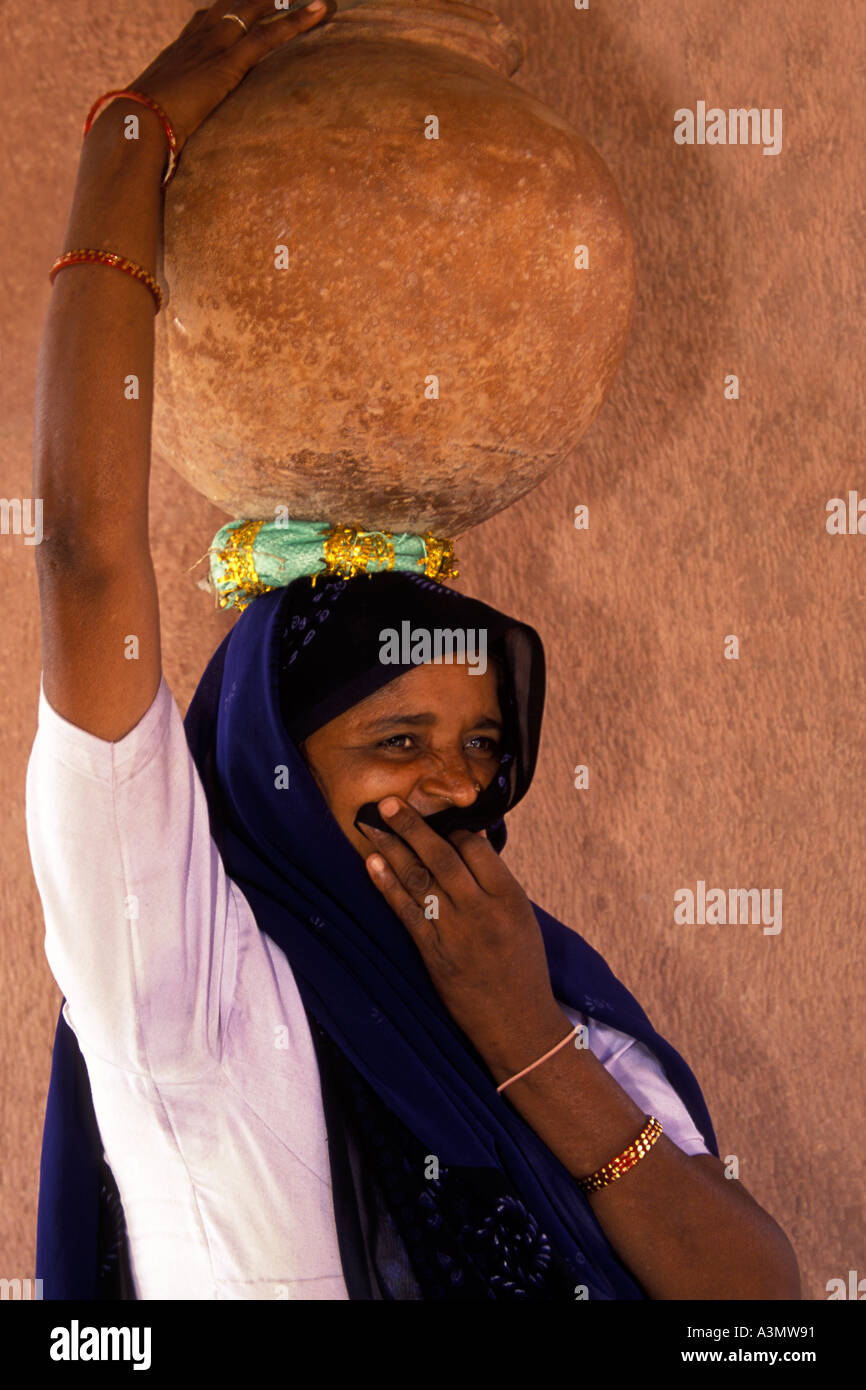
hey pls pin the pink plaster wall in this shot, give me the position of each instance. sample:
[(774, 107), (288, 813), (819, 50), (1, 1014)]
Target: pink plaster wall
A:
[(707, 518)]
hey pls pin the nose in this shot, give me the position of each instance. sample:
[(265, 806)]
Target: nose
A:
[(451, 779)]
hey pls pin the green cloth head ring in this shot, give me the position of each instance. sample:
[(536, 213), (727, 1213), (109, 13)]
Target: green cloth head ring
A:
[(248, 558)]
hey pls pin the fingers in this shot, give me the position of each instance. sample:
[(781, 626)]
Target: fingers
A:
[(425, 862), (299, 7), (260, 15), (481, 859), (404, 867), (274, 30), (411, 913), (250, 11)]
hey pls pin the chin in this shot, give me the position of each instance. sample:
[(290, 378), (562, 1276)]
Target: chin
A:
[(357, 841)]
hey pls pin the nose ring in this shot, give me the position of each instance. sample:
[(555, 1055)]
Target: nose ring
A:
[(477, 786)]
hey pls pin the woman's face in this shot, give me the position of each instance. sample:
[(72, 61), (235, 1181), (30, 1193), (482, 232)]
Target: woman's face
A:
[(428, 737)]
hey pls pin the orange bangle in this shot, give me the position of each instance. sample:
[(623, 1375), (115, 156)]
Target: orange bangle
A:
[(154, 106), (627, 1159), (108, 258)]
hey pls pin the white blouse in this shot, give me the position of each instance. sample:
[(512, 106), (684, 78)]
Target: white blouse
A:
[(201, 1062)]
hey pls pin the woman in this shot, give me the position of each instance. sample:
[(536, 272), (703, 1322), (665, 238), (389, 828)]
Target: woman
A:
[(281, 1072), (440, 1186)]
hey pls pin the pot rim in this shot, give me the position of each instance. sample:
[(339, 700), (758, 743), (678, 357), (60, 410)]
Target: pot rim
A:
[(464, 28)]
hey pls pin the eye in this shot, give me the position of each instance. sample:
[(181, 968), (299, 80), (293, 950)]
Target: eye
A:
[(393, 740), (492, 743)]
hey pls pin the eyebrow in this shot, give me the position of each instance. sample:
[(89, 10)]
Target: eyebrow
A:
[(485, 722)]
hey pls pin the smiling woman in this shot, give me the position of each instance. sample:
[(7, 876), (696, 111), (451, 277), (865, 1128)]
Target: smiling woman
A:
[(385, 1051), (439, 733), (279, 1072), (431, 737)]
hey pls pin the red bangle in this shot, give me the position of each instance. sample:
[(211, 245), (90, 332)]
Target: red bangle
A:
[(86, 253), (154, 106)]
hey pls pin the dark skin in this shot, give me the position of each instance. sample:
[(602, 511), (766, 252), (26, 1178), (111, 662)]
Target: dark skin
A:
[(683, 1229), (429, 765)]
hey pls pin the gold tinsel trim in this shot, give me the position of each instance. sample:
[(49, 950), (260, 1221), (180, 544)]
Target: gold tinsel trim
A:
[(347, 550), (440, 558), (240, 571)]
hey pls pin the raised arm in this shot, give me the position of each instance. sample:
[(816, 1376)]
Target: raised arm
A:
[(101, 661)]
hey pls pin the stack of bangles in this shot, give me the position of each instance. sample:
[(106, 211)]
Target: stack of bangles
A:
[(627, 1159), (85, 254)]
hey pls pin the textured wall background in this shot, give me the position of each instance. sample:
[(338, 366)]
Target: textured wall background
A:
[(707, 518)]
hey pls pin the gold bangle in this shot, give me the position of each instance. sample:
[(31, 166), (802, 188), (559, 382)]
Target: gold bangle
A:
[(627, 1159)]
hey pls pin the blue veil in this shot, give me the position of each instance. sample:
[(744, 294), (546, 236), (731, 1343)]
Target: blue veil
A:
[(361, 978)]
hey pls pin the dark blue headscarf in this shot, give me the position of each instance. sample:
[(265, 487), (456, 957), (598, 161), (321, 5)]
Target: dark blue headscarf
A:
[(361, 978)]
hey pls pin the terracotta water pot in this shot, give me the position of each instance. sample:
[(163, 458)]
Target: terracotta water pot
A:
[(371, 325)]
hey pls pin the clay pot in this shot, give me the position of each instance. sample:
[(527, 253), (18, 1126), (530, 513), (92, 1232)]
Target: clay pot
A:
[(306, 377)]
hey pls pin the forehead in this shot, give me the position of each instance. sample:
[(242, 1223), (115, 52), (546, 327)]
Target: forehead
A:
[(434, 687)]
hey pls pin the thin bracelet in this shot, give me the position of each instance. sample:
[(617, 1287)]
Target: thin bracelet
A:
[(154, 106), (532, 1065), (85, 253), (650, 1133)]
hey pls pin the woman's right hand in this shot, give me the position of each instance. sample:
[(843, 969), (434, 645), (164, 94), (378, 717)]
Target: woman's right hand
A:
[(212, 55)]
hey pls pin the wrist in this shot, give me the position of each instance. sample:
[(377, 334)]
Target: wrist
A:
[(107, 139), (525, 1042), (118, 200)]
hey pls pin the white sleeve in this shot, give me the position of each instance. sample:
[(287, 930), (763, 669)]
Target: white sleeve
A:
[(141, 925), (641, 1075)]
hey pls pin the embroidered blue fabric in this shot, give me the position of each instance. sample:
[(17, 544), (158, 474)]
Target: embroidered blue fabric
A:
[(427, 1230)]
